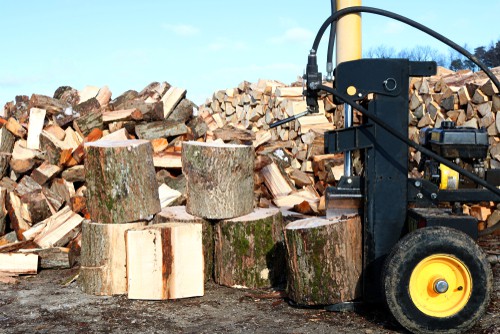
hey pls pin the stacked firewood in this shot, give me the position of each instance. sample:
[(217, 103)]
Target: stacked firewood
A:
[(292, 170), (42, 187)]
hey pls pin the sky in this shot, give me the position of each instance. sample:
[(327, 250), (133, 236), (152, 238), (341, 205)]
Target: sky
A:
[(202, 46)]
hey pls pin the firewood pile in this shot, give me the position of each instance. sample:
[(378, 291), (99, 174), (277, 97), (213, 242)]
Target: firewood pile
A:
[(42, 186)]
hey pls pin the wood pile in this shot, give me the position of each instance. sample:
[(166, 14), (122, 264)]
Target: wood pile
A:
[(43, 195)]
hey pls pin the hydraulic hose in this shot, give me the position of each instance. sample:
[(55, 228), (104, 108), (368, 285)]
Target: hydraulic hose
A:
[(421, 27), (409, 142), (331, 40)]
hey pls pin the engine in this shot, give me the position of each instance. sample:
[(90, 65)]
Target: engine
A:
[(467, 147)]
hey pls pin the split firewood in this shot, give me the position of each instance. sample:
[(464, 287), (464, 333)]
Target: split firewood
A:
[(15, 128), (170, 100), (53, 106), (249, 250), (16, 263), (118, 174), (7, 141), (59, 232), (314, 243), (156, 266), (162, 129), (219, 178), (45, 173), (178, 214), (35, 127), (52, 258), (103, 268)]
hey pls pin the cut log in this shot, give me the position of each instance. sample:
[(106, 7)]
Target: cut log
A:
[(74, 174), (167, 160), (178, 214), (249, 250), (53, 106), (60, 231), (165, 261), (45, 173), (162, 129), (3, 210), (171, 98), (219, 179), (121, 182), (103, 258), (324, 260), (167, 195), (35, 127), (53, 258), (275, 181), (15, 128), (17, 215), (16, 263), (7, 141)]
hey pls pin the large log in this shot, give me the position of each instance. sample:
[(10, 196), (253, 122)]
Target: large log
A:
[(103, 258), (249, 250), (219, 179), (178, 214), (324, 260), (121, 184), (165, 261)]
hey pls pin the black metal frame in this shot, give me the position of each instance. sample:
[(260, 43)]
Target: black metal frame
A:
[(388, 192)]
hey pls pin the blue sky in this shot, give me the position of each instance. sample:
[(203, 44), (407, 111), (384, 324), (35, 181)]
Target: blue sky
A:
[(199, 45)]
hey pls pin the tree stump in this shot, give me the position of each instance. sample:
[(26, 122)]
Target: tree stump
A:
[(103, 258), (324, 260), (249, 250), (219, 179), (165, 261), (121, 183), (172, 214)]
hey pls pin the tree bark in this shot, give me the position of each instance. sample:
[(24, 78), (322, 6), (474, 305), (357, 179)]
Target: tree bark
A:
[(324, 260), (219, 179), (178, 214), (249, 250), (121, 184), (103, 258)]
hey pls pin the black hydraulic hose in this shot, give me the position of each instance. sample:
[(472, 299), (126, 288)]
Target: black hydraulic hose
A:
[(409, 142), (331, 40), (421, 27)]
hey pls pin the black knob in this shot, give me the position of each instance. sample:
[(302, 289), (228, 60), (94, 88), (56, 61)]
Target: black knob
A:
[(448, 125)]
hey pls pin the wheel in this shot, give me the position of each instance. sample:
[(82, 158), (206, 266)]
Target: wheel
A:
[(437, 280)]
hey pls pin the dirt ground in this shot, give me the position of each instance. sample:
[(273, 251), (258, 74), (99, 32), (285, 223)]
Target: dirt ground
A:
[(41, 304)]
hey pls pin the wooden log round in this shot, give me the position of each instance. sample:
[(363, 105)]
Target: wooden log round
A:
[(219, 179), (172, 214), (249, 250), (103, 258), (324, 260), (121, 183)]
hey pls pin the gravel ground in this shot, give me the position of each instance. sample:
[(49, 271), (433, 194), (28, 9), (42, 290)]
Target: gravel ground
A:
[(41, 304)]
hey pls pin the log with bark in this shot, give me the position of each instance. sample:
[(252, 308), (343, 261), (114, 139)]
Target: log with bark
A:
[(323, 260), (219, 179), (249, 250), (165, 261), (121, 184), (103, 258)]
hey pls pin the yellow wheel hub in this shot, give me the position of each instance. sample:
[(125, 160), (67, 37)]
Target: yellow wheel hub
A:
[(440, 285)]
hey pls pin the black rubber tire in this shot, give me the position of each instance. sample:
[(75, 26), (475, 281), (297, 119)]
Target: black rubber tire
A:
[(405, 256)]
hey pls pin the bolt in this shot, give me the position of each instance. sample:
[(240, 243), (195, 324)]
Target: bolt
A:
[(434, 195), (441, 286), (420, 196), (418, 184), (349, 181)]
